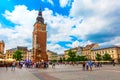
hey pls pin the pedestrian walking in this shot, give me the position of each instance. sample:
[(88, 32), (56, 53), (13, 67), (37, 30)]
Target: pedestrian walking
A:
[(13, 66), (83, 66), (6, 66), (113, 63), (87, 66), (53, 65), (90, 63)]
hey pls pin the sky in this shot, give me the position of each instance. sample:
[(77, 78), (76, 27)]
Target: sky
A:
[(70, 23)]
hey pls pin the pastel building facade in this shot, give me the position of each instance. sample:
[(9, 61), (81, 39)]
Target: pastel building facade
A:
[(52, 55), (10, 52), (91, 50)]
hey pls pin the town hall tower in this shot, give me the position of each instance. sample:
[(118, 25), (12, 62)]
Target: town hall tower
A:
[(39, 39)]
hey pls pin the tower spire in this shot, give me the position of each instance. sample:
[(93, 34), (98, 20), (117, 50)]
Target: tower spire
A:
[(40, 11), (39, 17), (40, 8)]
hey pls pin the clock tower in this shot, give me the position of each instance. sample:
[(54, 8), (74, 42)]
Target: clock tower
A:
[(39, 39)]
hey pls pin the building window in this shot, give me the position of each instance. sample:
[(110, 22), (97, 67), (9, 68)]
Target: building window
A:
[(112, 55), (112, 51)]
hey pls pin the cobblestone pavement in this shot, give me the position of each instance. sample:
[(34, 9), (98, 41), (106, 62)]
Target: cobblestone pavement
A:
[(68, 72), (18, 74), (62, 72)]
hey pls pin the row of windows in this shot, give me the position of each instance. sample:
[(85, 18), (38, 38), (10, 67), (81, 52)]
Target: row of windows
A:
[(94, 56), (9, 54), (12, 57), (99, 52), (14, 51), (12, 54), (105, 51)]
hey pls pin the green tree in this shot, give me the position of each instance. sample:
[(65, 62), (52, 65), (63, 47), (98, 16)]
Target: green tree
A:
[(60, 59), (54, 60), (107, 57), (72, 56), (81, 58), (63, 59), (98, 57), (18, 55)]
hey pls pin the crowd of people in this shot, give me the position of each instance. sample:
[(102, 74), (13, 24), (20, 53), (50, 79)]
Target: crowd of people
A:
[(86, 66), (89, 65), (30, 64)]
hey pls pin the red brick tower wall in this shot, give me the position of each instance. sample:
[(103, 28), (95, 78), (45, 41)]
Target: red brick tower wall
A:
[(39, 51)]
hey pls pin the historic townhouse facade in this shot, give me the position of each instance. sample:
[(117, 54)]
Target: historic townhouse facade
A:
[(24, 51), (113, 51), (77, 50), (10, 52), (91, 50), (29, 55), (87, 50), (52, 55)]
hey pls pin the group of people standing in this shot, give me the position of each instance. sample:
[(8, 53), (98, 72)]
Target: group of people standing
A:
[(41, 65), (27, 64), (13, 65), (87, 65)]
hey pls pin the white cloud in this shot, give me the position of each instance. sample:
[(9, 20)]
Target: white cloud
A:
[(63, 3), (51, 2), (90, 11), (96, 7), (75, 44), (91, 25), (78, 43), (59, 27), (56, 48), (21, 15), (115, 41), (22, 31), (93, 13)]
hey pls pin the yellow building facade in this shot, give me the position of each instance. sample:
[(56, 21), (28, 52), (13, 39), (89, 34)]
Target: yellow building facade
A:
[(10, 52), (113, 51), (66, 56), (24, 51), (91, 50), (87, 50), (52, 55), (29, 55)]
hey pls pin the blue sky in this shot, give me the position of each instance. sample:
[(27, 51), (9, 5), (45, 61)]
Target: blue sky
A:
[(70, 23)]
